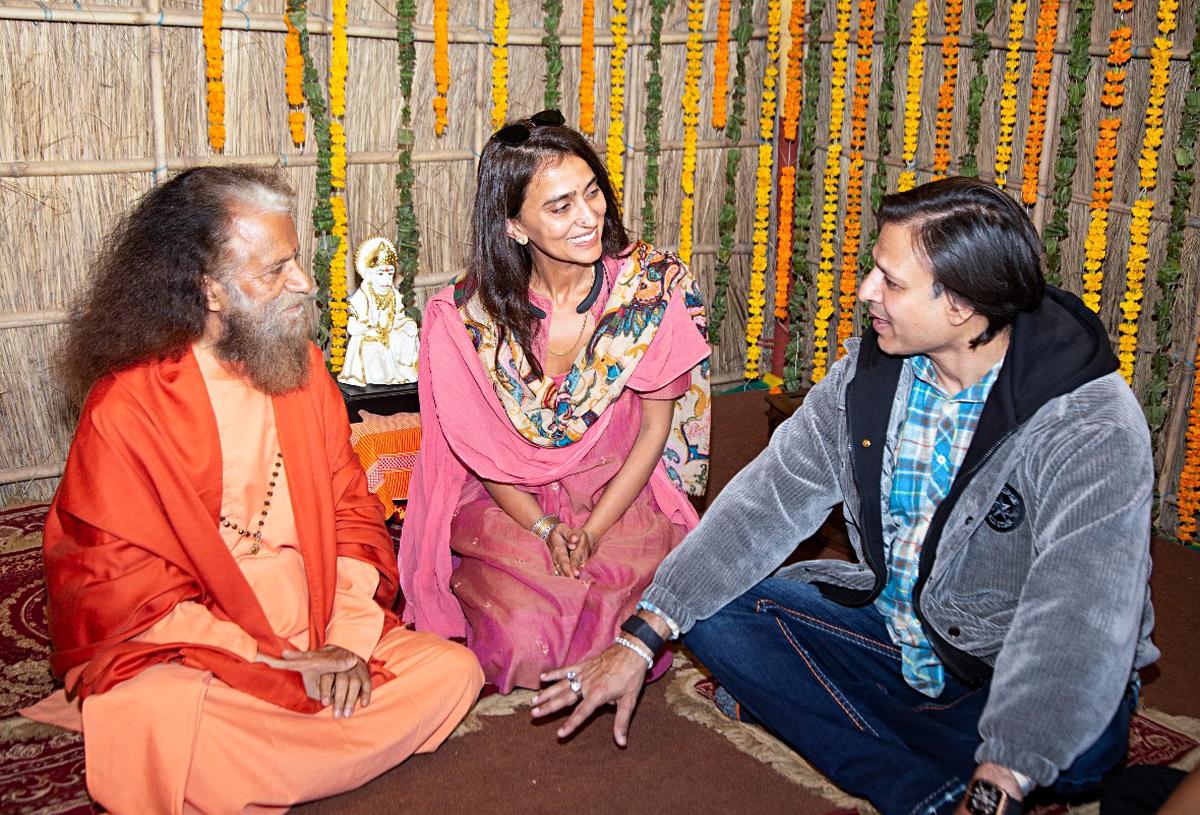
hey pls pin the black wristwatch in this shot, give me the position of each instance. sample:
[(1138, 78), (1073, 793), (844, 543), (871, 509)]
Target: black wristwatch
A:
[(986, 798)]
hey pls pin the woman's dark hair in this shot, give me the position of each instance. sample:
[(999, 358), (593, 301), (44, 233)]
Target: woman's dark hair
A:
[(499, 268), (980, 244), (145, 297)]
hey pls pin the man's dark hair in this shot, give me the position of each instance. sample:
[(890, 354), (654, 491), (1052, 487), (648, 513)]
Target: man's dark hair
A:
[(498, 267), (145, 297), (980, 244)]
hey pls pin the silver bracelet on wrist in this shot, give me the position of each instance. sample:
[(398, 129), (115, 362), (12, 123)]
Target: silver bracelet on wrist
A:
[(639, 650), (544, 525)]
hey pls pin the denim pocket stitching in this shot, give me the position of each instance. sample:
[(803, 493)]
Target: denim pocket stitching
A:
[(850, 635), (952, 790), (853, 715)]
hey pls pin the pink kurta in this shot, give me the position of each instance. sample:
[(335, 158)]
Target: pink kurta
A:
[(522, 619), (176, 739)]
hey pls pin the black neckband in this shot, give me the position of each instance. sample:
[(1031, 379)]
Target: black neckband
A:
[(588, 301)]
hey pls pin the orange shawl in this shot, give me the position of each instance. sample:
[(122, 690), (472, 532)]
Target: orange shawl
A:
[(132, 530)]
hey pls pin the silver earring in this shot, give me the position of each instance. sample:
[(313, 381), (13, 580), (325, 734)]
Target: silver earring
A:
[(522, 240)]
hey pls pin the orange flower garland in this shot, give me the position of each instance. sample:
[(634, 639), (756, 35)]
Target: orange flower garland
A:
[(783, 238), (293, 81), (852, 233), (944, 122), (1143, 207), (587, 69), (1189, 476), (721, 68), (831, 180), (912, 94), (756, 301), (338, 66), (794, 89), (691, 119), (441, 63), (1095, 246), (214, 72), (500, 18), (1008, 91), (1035, 137), (615, 157)]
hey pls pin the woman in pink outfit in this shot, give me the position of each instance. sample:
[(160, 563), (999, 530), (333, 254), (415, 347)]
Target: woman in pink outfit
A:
[(565, 413)]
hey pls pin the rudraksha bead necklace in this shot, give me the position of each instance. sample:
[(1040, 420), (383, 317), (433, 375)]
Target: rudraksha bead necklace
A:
[(242, 531)]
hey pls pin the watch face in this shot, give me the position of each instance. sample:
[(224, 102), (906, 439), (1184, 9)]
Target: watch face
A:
[(985, 798)]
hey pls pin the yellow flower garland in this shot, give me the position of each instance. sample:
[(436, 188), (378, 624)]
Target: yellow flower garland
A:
[(832, 178), (1143, 208), (1095, 245), (338, 67), (500, 63), (691, 119), (912, 94), (852, 234), (293, 79), (615, 157), (214, 72), (721, 66), (755, 301), (441, 64), (587, 69), (1008, 91)]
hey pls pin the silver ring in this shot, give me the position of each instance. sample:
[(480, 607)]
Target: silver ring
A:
[(574, 684)]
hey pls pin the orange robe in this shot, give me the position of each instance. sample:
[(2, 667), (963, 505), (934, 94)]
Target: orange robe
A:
[(157, 613)]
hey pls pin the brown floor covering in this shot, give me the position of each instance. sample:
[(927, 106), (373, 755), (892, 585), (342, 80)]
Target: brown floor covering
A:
[(673, 765)]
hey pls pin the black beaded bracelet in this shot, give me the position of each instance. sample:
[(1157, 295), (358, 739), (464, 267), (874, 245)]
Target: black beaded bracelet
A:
[(645, 632)]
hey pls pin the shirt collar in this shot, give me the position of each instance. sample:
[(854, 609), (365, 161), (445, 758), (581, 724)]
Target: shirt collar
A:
[(924, 370)]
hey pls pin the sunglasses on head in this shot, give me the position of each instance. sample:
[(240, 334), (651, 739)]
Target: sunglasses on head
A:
[(519, 132)]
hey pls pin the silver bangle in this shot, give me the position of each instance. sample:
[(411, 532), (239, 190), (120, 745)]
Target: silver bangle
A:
[(640, 651), (544, 525)]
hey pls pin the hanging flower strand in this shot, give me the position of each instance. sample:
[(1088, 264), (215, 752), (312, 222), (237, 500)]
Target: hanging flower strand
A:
[(214, 72), (293, 81), (691, 119), (650, 129), (721, 66), (338, 67), (794, 88), (756, 301), (832, 182), (792, 99), (1095, 246), (1143, 208), (1008, 91), (441, 64), (500, 20), (1035, 137), (944, 123), (1189, 476), (587, 69), (852, 231), (615, 154), (912, 94)]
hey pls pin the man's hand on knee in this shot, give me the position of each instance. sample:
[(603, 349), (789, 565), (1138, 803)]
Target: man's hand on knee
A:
[(332, 675)]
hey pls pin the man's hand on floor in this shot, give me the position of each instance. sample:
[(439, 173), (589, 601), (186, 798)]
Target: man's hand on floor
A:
[(332, 675), (613, 676)]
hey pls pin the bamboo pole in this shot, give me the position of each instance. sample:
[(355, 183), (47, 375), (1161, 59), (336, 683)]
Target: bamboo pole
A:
[(157, 94)]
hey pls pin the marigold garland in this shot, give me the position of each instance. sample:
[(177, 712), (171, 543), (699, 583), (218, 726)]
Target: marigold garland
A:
[(912, 94), (981, 48), (883, 123), (1095, 246), (794, 81), (553, 47), (587, 69), (1035, 136), (214, 72), (441, 64), (1143, 208), (1008, 92), (691, 118), (1079, 65), (500, 18), (755, 300), (793, 96), (339, 64), (721, 66), (832, 180), (651, 130), (1189, 476), (944, 122), (852, 230), (293, 81), (615, 156)]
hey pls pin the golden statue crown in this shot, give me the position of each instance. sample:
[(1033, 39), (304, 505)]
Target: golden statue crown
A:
[(374, 252)]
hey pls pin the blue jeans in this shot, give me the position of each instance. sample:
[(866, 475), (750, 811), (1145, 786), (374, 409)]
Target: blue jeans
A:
[(826, 679)]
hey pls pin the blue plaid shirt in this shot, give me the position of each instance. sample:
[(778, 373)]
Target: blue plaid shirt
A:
[(933, 440)]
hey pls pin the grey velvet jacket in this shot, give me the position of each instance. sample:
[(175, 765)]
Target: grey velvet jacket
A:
[(1034, 573)]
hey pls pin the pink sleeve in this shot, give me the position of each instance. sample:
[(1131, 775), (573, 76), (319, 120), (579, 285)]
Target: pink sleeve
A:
[(677, 347), (193, 623), (356, 621), (672, 391)]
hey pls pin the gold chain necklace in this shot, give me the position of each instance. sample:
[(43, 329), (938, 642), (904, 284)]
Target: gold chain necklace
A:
[(242, 531), (571, 347)]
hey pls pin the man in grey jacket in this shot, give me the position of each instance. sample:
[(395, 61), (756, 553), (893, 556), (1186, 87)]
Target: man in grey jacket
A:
[(995, 474)]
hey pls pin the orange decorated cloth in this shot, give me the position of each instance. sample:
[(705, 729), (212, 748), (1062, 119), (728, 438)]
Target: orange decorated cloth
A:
[(133, 530), (387, 447)]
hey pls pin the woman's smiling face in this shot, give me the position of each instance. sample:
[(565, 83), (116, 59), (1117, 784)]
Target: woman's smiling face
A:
[(563, 213)]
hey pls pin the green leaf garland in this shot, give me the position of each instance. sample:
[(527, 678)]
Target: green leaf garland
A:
[(981, 46), (408, 230), (653, 120), (553, 45), (1079, 65), (727, 220), (883, 127)]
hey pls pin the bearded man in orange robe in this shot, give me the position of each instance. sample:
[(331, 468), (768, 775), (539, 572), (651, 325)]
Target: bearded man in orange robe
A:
[(220, 581)]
